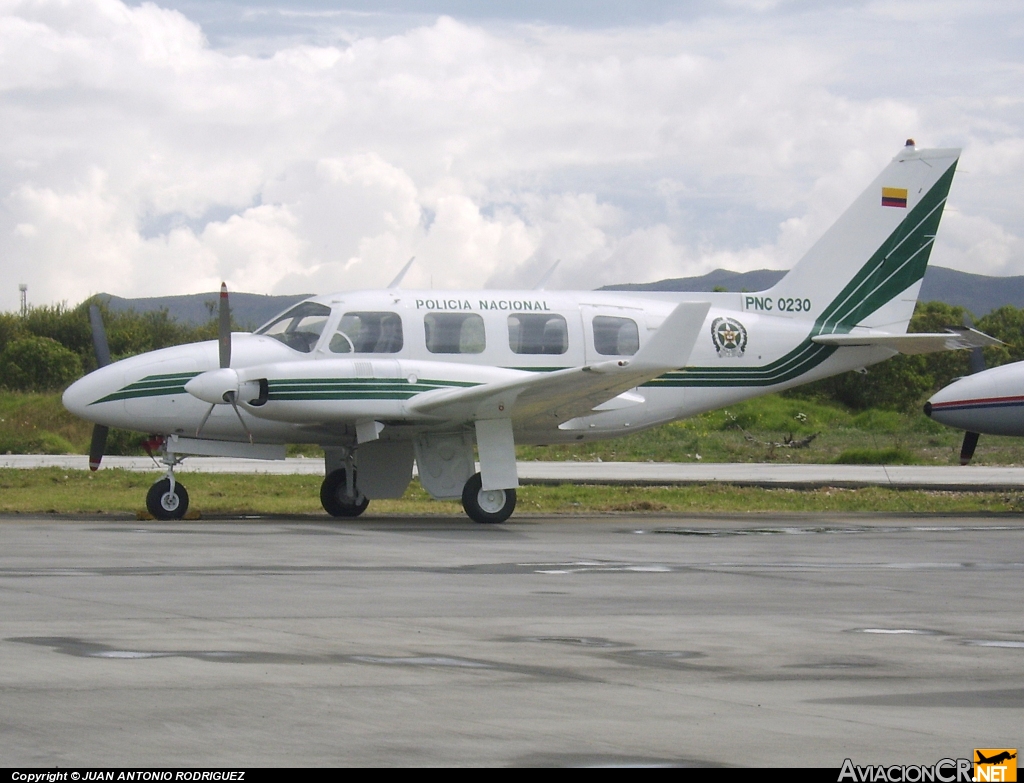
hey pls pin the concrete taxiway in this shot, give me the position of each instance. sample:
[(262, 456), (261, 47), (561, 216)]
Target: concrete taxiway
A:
[(973, 477), (633, 639)]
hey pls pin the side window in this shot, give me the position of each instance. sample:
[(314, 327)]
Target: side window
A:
[(368, 333), (615, 336), (454, 332), (300, 327), (537, 333)]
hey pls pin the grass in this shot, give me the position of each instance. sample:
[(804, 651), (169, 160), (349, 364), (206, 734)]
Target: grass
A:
[(895, 455), (55, 491), (772, 429), (39, 424)]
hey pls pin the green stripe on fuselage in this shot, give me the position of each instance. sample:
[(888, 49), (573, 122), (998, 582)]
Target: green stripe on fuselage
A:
[(151, 386), (295, 389), (355, 388), (341, 395)]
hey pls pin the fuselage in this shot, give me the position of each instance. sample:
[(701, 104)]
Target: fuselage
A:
[(337, 359)]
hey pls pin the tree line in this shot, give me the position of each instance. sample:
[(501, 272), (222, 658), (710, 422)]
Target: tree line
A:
[(903, 383), (50, 346)]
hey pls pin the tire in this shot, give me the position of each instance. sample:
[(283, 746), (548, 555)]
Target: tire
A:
[(487, 506), (336, 501), (163, 504)]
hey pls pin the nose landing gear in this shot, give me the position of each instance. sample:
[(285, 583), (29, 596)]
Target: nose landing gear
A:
[(167, 499)]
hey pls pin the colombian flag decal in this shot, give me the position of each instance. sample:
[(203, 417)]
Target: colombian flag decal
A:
[(894, 197)]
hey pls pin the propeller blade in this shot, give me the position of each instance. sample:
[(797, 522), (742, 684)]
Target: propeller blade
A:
[(398, 278), (206, 418), (224, 328), (238, 413), (102, 350), (547, 275), (967, 449), (96, 448), (99, 337), (976, 359)]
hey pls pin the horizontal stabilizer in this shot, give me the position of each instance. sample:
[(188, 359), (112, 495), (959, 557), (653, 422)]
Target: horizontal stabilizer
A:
[(924, 342), (564, 394)]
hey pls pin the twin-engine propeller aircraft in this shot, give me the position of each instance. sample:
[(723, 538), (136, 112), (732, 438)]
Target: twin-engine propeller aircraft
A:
[(385, 379)]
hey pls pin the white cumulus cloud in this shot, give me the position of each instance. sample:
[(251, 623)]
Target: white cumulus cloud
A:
[(139, 158)]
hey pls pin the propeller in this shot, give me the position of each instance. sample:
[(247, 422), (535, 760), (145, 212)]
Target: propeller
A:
[(224, 382), (99, 344), (975, 363), (224, 328)]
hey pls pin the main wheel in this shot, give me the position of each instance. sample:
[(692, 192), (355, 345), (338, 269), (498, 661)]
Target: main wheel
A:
[(488, 506), (164, 504), (335, 499)]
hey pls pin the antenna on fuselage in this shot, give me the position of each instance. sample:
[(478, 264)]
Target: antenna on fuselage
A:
[(547, 276), (398, 278)]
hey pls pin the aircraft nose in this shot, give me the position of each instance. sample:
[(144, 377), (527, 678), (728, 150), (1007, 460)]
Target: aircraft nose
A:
[(74, 398), (80, 396), (938, 409), (961, 405)]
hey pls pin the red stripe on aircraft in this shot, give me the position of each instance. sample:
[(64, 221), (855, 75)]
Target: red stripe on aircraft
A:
[(978, 401)]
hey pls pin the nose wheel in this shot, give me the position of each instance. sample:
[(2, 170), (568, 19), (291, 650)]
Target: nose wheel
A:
[(487, 506), (167, 499), (340, 497)]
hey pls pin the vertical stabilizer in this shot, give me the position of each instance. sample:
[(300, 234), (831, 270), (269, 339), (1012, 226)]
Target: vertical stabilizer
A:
[(867, 268)]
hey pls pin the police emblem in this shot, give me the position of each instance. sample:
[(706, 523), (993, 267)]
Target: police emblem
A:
[(729, 337)]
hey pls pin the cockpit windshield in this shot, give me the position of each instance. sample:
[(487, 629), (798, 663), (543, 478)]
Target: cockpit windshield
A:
[(300, 327)]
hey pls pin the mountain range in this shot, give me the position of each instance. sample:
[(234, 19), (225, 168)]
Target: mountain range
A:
[(980, 294)]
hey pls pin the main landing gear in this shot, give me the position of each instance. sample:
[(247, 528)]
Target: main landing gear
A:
[(487, 506), (339, 495), (341, 498)]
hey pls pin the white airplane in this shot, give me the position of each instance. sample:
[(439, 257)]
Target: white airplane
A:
[(987, 401), (388, 378)]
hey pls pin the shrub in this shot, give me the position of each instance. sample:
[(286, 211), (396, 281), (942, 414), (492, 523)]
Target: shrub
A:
[(38, 364)]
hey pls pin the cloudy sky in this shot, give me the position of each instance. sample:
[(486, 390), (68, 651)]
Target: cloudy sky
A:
[(292, 147)]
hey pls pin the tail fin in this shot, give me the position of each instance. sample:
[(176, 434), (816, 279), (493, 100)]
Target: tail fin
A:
[(867, 268)]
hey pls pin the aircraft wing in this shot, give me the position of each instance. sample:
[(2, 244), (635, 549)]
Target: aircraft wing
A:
[(565, 394), (923, 342)]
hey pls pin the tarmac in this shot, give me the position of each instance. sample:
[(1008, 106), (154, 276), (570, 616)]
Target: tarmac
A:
[(665, 640), (632, 473)]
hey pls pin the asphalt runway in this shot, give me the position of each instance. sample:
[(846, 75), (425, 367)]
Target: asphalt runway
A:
[(632, 639)]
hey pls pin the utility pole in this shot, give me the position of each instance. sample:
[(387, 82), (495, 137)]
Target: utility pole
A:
[(24, 299)]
